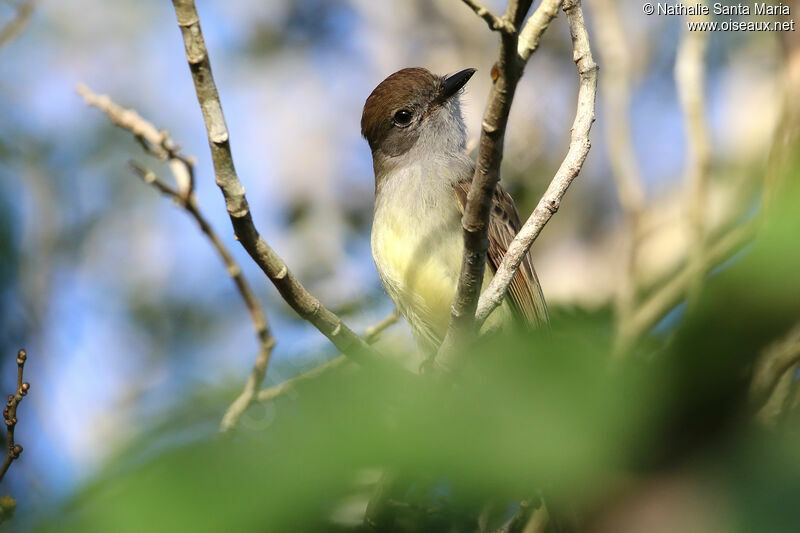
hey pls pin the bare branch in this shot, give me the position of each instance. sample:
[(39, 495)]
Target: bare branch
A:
[(266, 342), (567, 172), (373, 333), (159, 143), (616, 92), (154, 141), (251, 387), (495, 23), (690, 78), (150, 178), (371, 336), (290, 384), (475, 222), (532, 33), (776, 361), (14, 27), (152, 138), (13, 450), (657, 305), (616, 83), (779, 403), (303, 302)]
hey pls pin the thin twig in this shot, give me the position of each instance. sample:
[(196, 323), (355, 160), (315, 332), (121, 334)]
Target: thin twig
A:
[(657, 305), (303, 302), (266, 341), (567, 172), (505, 74), (154, 141), (14, 27), (13, 450), (495, 23), (371, 335), (776, 361), (290, 384), (779, 403), (616, 83), (690, 78), (158, 143)]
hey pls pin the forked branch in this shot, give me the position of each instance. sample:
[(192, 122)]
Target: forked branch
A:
[(567, 172), (303, 302), (506, 73), (159, 144), (495, 23)]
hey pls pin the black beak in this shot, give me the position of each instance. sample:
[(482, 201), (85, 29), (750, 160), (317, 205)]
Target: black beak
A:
[(453, 83)]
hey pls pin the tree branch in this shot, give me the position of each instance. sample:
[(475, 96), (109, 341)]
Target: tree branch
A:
[(778, 404), (616, 89), (532, 33), (495, 23), (773, 363), (13, 450), (567, 172), (158, 143), (14, 27), (691, 80), (266, 342), (292, 291), (657, 305), (270, 393), (505, 74), (371, 335)]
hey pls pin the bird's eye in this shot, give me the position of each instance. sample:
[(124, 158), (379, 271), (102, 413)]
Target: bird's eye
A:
[(403, 117)]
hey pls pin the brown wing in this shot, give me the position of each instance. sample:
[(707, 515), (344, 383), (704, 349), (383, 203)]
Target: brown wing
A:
[(525, 292)]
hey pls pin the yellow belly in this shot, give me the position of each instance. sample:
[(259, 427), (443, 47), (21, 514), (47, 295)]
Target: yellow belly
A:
[(419, 262)]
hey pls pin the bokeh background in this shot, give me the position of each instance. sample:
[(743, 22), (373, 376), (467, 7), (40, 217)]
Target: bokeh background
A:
[(122, 305)]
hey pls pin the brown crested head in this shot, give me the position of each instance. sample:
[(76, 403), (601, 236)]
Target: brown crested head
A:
[(398, 105), (395, 99)]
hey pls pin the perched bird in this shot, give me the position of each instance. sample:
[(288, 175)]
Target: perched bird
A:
[(414, 127)]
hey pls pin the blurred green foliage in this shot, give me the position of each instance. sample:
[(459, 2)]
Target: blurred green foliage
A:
[(534, 413), (537, 412)]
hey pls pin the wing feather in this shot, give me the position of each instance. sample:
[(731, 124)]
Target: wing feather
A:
[(525, 293)]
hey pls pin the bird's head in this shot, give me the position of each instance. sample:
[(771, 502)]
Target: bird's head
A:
[(415, 110)]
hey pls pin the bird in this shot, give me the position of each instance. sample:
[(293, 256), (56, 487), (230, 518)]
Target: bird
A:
[(414, 126)]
